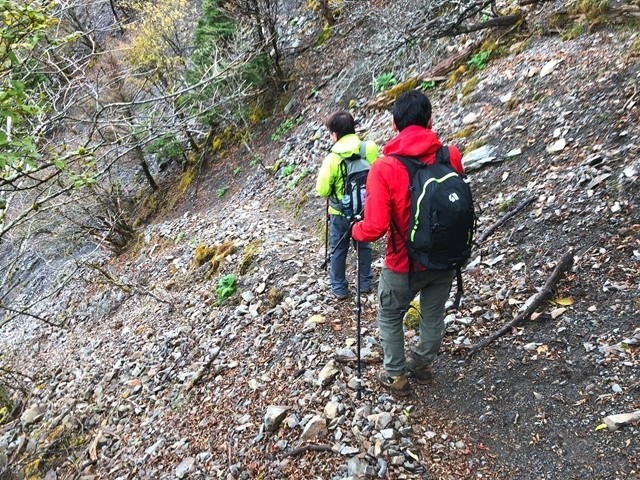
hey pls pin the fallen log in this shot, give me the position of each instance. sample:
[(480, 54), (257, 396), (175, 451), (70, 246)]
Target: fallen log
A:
[(563, 265), (502, 220)]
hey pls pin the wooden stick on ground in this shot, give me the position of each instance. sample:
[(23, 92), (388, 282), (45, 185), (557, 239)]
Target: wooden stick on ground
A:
[(502, 220), (563, 265), (306, 448)]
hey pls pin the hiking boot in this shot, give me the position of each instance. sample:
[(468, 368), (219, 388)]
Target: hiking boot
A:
[(398, 385), (423, 373), (341, 297)]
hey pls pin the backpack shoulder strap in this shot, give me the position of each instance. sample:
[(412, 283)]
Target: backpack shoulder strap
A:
[(442, 156), (410, 163), (363, 149)]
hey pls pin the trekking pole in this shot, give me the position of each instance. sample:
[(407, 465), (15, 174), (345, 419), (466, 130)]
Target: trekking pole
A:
[(358, 312), (335, 247)]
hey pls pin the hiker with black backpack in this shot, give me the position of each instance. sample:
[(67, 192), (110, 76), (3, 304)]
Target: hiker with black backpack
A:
[(342, 178), (416, 195)]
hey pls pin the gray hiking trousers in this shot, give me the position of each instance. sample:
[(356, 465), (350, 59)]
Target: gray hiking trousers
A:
[(395, 297)]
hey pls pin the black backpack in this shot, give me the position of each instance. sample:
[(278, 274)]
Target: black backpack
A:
[(443, 219), (354, 171)]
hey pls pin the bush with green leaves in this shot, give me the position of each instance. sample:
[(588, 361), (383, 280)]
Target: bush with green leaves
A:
[(227, 286), (285, 128), (479, 60), (384, 81), (221, 191), (427, 85), (287, 170)]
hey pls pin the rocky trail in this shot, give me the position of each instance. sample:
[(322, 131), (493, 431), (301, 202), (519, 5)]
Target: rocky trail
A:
[(155, 377)]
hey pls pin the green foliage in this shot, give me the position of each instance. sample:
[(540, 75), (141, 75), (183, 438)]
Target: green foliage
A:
[(384, 81), (574, 32), (221, 191), (592, 9), (479, 60), (227, 286), (294, 181), (180, 237), (257, 70), (324, 36), (287, 170), (285, 128), (24, 29), (166, 147), (213, 29), (506, 204), (427, 85), (255, 161), (236, 171), (470, 86)]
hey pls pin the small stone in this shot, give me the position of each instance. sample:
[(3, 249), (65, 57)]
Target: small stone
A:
[(315, 428), (185, 466), (274, 416)]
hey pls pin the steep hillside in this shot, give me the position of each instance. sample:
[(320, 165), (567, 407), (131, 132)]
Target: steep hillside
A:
[(159, 376)]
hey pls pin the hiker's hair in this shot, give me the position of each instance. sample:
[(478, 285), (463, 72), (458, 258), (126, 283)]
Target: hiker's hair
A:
[(412, 108), (341, 123)]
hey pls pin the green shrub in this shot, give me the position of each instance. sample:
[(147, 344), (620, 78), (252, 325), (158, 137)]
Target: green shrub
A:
[(479, 60), (294, 181), (288, 170), (384, 81), (285, 128), (221, 191), (227, 286), (428, 85), (237, 170)]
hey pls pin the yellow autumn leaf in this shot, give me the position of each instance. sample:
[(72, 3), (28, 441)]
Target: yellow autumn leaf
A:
[(542, 349), (601, 426), (565, 302)]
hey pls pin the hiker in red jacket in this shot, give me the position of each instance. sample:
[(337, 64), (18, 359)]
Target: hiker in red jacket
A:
[(387, 211)]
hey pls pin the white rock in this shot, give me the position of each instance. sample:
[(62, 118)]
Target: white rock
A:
[(315, 428), (557, 146), (470, 118), (616, 421), (549, 67)]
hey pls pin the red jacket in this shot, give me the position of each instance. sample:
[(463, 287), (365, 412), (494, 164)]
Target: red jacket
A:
[(388, 192)]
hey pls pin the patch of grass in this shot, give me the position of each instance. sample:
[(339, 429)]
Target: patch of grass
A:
[(384, 81), (247, 257), (286, 127), (427, 85), (227, 286), (255, 161), (574, 32), (506, 204), (324, 35), (397, 90), (592, 9), (214, 254), (221, 191), (186, 179), (474, 145), (469, 86), (455, 76), (634, 51), (203, 254), (479, 60), (274, 297), (287, 170), (294, 181), (464, 132)]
